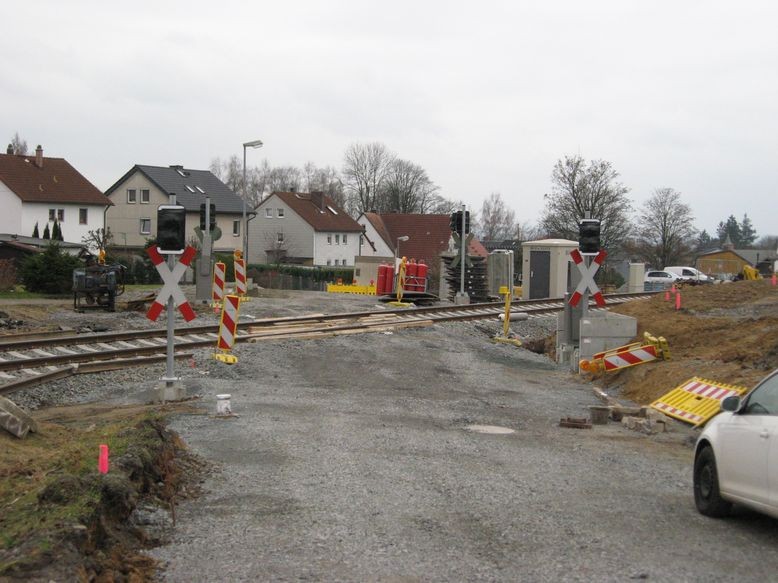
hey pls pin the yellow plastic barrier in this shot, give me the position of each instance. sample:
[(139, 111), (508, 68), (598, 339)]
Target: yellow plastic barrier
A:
[(696, 400), (364, 290)]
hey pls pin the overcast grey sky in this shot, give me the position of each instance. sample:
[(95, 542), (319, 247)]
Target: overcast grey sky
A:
[(485, 95)]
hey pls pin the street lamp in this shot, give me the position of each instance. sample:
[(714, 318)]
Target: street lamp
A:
[(254, 144), (397, 249)]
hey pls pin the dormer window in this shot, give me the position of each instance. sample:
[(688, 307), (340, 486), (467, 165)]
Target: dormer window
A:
[(189, 188)]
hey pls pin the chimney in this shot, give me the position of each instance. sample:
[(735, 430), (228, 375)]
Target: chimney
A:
[(39, 156), (317, 198), (9, 150)]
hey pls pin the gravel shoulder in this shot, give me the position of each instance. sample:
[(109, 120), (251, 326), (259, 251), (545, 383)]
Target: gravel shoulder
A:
[(350, 460)]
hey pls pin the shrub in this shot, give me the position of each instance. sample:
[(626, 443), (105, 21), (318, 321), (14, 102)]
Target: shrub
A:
[(50, 272)]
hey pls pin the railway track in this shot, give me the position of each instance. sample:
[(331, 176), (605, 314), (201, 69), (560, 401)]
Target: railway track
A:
[(31, 359)]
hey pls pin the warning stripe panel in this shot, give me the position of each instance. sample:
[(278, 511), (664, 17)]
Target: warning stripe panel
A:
[(696, 400)]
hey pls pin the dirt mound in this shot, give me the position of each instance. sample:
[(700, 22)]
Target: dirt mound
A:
[(726, 332)]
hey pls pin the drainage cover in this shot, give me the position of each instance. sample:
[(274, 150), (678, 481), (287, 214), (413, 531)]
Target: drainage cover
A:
[(493, 429)]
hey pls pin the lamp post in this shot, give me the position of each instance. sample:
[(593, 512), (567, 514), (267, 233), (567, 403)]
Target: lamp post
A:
[(253, 144), (397, 249)]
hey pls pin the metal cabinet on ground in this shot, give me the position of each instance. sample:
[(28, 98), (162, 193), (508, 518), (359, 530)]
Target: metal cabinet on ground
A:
[(545, 268)]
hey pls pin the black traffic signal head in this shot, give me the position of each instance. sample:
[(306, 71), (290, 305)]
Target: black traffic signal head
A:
[(589, 236), (171, 228), (455, 222), (211, 217), (467, 222)]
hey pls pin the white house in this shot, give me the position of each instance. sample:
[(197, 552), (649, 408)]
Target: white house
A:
[(39, 191), (308, 229)]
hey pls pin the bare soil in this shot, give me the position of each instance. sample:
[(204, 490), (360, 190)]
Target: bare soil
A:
[(727, 333), (61, 520)]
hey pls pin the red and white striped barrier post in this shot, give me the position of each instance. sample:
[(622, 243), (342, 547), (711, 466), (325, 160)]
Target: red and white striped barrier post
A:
[(678, 300), (228, 329), (239, 265), (217, 294), (170, 279), (774, 279)]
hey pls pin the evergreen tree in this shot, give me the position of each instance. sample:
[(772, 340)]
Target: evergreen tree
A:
[(46, 232), (55, 232), (703, 241), (35, 233), (747, 232), (731, 228)]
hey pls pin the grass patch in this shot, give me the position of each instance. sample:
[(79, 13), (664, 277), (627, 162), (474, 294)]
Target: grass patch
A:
[(49, 484)]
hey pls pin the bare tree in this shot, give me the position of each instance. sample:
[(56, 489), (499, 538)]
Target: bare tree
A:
[(578, 187), (277, 247), (666, 230), (326, 180), (365, 168), (18, 145), (407, 188), (497, 221)]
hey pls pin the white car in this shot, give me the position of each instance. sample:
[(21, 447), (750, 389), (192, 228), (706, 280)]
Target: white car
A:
[(736, 457), (690, 274), (655, 276)]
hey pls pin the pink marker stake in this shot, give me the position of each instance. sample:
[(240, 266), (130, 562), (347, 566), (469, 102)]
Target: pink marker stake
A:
[(674, 290), (678, 301), (102, 462), (667, 295), (774, 279)]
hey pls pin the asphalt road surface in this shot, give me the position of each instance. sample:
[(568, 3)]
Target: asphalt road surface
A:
[(350, 460)]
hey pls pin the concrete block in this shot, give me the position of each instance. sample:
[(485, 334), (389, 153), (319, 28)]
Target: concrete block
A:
[(15, 420)]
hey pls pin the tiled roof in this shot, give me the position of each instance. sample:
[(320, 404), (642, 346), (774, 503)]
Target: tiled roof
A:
[(56, 181), (182, 181), (318, 210), (428, 235)]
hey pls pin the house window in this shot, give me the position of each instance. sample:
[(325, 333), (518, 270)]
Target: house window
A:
[(337, 239), (52, 214), (61, 215), (345, 238), (145, 196), (343, 262), (236, 228), (280, 238), (145, 226), (82, 216), (269, 213), (280, 213), (329, 262), (132, 196), (329, 239)]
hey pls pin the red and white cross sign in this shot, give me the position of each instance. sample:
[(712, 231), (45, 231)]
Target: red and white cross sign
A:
[(170, 278), (587, 277)]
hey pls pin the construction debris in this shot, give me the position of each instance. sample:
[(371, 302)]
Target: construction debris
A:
[(14, 420), (575, 422)]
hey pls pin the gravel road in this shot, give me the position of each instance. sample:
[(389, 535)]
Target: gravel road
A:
[(351, 460)]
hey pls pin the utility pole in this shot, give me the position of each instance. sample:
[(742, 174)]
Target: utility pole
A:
[(462, 297)]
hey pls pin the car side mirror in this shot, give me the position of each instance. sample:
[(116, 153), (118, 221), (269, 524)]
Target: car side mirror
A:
[(731, 404)]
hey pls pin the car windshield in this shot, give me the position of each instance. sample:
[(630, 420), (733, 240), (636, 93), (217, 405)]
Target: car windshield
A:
[(763, 400)]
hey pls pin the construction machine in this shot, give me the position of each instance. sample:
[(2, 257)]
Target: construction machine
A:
[(97, 285)]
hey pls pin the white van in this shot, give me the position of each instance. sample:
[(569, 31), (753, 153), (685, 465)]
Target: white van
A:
[(690, 273)]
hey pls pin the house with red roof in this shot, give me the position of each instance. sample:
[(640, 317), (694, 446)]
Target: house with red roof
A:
[(428, 236), (38, 190), (303, 228)]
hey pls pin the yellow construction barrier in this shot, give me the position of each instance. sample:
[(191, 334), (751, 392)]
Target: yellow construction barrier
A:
[(696, 400), (364, 290)]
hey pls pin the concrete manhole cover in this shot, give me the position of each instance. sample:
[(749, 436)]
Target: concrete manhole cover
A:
[(492, 429)]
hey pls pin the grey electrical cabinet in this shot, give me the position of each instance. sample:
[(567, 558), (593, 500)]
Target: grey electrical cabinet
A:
[(545, 268)]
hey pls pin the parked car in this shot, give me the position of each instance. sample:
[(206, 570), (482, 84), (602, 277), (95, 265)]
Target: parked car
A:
[(660, 277), (690, 274), (736, 457)]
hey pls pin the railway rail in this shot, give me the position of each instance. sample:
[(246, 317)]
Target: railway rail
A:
[(32, 359)]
